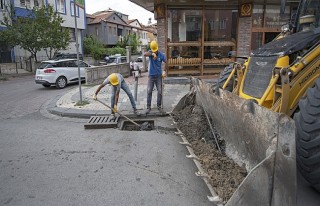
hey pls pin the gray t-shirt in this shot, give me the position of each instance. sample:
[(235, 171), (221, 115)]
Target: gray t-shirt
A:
[(120, 78)]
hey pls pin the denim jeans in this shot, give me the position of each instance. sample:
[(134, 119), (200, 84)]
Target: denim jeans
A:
[(154, 80), (125, 88)]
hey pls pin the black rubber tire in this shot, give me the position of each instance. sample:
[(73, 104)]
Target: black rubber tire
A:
[(224, 76), (46, 85), (61, 82), (308, 136)]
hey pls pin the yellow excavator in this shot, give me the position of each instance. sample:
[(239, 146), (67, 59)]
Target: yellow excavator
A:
[(267, 109)]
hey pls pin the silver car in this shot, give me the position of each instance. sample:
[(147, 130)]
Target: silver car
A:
[(60, 72)]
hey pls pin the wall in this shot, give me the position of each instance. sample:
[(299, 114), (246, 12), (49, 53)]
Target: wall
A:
[(69, 22), (97, 73), (68, 19), (244, 36)]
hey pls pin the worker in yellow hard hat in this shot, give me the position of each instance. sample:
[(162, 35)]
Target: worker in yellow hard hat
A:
[(155, 74), (117, 82)]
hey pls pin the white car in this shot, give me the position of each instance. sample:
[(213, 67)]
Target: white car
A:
[(60, 72)]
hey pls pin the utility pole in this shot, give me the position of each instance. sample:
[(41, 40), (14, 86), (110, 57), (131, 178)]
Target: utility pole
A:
[(77, 47)]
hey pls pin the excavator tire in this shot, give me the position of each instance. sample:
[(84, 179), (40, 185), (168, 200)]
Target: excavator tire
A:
[(308, 136), (224, 76)]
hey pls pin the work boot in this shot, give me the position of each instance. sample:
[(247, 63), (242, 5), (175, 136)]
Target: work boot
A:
[(112, 117), (136, 112), (148, 110), (160, 110)]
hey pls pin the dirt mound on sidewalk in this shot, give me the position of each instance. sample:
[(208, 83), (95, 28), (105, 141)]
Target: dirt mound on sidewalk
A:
[(224, 175)]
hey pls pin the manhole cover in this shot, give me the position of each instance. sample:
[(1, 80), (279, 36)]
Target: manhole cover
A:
[(101, 122)]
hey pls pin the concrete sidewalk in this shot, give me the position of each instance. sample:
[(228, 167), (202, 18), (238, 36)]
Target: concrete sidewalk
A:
[(174, 90)]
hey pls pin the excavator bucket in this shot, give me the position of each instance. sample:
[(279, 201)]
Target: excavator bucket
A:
[(262, 140)]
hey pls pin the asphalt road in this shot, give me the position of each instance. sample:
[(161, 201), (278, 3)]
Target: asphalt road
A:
[(49, 160)]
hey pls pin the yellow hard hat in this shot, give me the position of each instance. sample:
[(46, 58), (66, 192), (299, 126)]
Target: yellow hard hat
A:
[(113, 79), (154, 46)]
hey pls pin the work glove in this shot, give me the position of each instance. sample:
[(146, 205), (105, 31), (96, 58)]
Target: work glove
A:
[(94, 97), (164, 74), (115, 108), (154, 55)]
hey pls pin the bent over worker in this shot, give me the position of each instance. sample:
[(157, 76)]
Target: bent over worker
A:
[(117, 82), (155, 74)]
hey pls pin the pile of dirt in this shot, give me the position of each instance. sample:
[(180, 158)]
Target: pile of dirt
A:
[(224, 174)]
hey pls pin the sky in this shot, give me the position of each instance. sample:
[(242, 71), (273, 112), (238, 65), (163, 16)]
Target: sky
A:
[(124, 6)]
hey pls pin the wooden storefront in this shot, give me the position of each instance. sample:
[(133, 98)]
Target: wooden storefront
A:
[(201, 37)]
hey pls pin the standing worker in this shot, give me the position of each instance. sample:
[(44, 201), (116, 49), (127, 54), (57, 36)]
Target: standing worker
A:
[(117, 81), (155, 74)]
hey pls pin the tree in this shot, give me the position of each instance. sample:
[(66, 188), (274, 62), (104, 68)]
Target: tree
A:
[(54, 37), (41, 29), (129, 40)]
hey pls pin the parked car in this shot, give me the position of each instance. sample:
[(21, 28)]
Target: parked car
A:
[(60, 72), (139, 59), (111, 60), (58, 56)]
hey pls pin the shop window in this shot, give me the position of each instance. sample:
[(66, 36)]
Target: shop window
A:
[(256, 40), (184, 25), (223, 24)]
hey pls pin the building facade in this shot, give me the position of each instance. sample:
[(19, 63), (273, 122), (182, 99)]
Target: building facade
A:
[(65, 8), (110, 26), (201, 37)]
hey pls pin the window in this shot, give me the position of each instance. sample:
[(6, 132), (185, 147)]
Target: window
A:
[(72, 35), (61, 6), (72, 8), (223, 24), (36, 3), (184, 25), (24, 3), (114, 31), (97, 31), (2, 5)]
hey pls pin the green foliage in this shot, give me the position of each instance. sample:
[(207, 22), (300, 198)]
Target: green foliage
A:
[(96, 49), (130, 40), (116, 50), (41, 29)]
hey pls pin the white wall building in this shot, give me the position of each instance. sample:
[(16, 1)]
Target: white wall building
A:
[(65, 8)]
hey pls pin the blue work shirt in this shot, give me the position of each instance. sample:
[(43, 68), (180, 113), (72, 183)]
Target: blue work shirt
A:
[(155, 64)]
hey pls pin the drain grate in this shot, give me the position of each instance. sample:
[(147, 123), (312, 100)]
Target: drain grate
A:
[(145, 125), (101, 122)]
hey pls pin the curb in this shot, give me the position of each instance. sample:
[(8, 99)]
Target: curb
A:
[(86, 114)]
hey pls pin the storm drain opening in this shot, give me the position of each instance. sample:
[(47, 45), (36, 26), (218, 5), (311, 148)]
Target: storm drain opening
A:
[(144, 125), (101, 122)]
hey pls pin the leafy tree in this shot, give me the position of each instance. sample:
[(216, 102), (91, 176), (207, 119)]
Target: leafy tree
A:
[(54, 37), (129, 40), (8, 36), (41, 29), (96, 49), (93, 47)]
